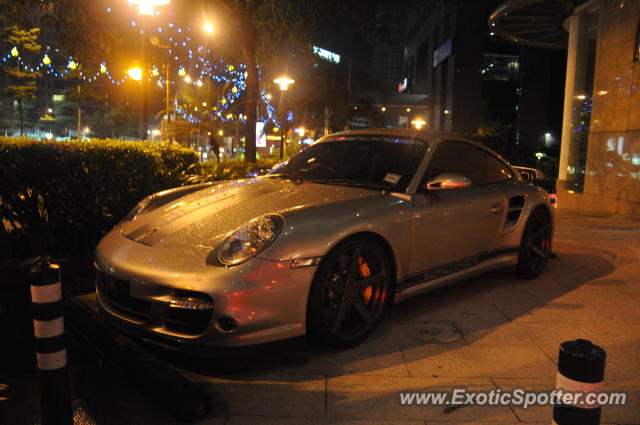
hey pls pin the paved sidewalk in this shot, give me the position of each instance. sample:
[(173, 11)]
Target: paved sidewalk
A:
[(495, 330)]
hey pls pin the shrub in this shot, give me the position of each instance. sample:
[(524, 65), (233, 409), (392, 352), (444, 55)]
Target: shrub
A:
[(234, 169), (61, 197)]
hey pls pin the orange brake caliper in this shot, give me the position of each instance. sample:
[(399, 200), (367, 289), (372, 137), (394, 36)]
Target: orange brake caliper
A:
[(365, 271)]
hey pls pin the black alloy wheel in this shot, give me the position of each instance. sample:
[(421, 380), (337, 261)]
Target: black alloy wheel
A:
[(349, 293), (535, 247)]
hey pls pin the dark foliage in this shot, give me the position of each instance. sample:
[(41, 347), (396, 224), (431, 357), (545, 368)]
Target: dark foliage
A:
[(61, 197)]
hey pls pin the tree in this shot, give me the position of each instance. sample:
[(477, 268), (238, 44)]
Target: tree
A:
[(263, 28), (22, 82), (78, 28), (243, 13)]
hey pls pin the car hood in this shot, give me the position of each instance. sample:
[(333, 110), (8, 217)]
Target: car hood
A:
[(204, 218)]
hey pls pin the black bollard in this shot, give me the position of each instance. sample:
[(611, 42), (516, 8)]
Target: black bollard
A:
[(51, 351), (580, 369)]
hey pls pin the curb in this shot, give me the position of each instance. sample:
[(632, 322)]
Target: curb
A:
[(169, 389)]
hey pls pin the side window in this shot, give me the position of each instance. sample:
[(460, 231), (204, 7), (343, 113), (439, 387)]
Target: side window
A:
[(468, 160)]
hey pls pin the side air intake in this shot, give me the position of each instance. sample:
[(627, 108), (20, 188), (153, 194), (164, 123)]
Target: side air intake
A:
[(516, 204)]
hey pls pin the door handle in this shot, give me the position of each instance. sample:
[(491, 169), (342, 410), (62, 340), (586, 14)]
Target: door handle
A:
[(496, 209)]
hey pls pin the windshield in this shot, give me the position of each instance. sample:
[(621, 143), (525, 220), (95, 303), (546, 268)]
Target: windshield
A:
[(373, 161)]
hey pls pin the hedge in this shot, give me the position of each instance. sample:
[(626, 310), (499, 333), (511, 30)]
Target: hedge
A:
[(234, 169), (61, 197)]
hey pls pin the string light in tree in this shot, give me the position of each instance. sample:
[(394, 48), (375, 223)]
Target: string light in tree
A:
[(194, 67)]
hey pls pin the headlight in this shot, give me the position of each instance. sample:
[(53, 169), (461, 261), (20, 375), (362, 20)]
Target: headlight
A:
[(250, 239)]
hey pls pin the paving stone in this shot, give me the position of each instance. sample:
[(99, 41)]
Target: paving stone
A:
[(566, 312), (449, 307), (459, 360), (520, 334), (416, 332), (262, 420), (360, 396), (370, 357), (274, 395), (608, 335)]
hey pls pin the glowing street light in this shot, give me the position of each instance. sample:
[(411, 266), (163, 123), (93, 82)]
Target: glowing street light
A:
[(418, 123), (135, 73), (145, 7), (182, 72), (284, 82), (14, 52), (72, 65), (46, 60), (208, 28), (187, 79)]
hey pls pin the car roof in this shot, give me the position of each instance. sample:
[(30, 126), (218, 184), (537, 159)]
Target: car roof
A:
[(405, 133)]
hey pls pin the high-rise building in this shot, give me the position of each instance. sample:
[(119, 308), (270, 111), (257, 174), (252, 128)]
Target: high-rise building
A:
[(473, 79)]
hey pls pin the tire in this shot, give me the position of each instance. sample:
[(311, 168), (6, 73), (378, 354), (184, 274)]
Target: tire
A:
[(535, 246), (349, 293)]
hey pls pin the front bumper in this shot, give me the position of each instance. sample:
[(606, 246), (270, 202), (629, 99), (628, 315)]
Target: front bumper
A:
[(172, 297)]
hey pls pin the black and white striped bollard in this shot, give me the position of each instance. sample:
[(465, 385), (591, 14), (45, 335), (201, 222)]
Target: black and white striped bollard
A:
[(51, 351), (580, 369)]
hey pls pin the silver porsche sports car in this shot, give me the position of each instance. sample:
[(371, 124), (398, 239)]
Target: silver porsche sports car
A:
[(321, 245)]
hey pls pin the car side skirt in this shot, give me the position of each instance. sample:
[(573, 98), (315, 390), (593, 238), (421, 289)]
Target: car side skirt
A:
[(448, 273)]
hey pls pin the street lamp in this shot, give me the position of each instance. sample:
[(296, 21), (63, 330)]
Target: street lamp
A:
[(284, 83), (418, 123), (145, 8), (208, 28), (135, 73)]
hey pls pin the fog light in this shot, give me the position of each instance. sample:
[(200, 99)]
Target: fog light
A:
[(190, 303), (185, 302)]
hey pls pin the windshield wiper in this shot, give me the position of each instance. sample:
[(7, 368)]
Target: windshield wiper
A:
[(346, 182)]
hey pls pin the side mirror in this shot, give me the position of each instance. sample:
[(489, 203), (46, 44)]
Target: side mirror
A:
[(448, 181), (530, 174)]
